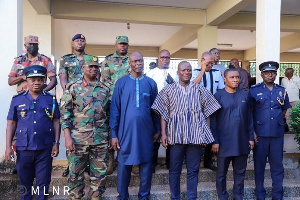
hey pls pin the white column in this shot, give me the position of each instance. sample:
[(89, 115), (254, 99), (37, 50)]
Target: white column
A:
[(267, 33), (11, 34)]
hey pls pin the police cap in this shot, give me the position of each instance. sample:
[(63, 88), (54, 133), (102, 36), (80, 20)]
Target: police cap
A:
[(34, 71), (268, 66)]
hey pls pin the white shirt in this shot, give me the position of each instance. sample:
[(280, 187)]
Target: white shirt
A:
[(221, 68), (218, 82), (160, 76), (292, 87)]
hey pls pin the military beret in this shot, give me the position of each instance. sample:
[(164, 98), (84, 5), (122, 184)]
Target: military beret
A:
[(78, 36), (31, 39), (91, 60), (122, 39), (34, 71), (268, 66)]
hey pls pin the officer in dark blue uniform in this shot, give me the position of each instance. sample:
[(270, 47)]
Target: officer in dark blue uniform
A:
[(34, 117), (269, 102)]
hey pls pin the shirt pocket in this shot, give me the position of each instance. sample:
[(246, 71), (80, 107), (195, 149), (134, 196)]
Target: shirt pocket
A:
[(49, 135), (46, 110), (23, 112), (21, 137), (146, 100)]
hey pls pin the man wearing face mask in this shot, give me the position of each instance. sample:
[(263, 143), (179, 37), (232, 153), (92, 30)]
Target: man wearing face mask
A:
[(32, 57)]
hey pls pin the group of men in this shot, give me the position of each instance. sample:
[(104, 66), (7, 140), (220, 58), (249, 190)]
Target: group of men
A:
[(122, 109)]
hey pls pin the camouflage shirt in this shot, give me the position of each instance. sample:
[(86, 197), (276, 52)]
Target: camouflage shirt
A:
[(84, 110), (71, 65), (114, 67), (23, 61)]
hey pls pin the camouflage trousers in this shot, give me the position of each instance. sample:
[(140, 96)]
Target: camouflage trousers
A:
[(96, 156)]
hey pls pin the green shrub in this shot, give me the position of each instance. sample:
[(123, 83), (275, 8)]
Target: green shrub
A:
[(295, 122)]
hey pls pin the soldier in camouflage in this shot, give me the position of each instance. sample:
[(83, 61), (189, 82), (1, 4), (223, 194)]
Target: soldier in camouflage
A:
[(84, 110), (115, 66), (32, 57), (70, 64), (70, 67)]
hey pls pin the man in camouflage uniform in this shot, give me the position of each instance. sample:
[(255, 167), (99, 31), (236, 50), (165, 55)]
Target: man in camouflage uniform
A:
[(84, 110), (115, 66), (70, 67), (70, 64), (32, 57)]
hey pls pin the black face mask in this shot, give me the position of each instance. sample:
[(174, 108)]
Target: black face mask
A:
[(33, 50)]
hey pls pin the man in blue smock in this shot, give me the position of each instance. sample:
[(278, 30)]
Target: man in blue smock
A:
[(133, 125), (232, 128), (34, 117), (269, 102)]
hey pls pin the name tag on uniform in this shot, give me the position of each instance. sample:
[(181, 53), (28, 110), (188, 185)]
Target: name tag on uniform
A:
[(22, 105), (259, 94)]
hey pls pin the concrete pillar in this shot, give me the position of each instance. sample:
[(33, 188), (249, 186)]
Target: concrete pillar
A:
[(207, 39), (267, 33), (11, 20), (39, 25)]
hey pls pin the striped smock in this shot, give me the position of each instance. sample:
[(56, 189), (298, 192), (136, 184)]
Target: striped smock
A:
[(185, 109)]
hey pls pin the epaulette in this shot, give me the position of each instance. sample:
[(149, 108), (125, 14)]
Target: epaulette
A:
[(48, 93), (45, 56), (20, 56), (104, 86), (68, 55), (280, 86), (256, 85), (109, 55), (20, 93)]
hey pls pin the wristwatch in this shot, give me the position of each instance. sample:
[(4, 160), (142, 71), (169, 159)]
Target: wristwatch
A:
[(56, 142)]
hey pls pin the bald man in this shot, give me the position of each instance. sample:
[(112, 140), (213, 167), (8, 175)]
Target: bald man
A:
[(133, 126)]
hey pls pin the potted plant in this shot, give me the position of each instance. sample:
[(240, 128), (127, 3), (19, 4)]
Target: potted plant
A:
[(295, 122)]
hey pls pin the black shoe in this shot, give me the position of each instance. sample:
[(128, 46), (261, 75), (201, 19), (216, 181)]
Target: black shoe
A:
[(276, 199), (13, 171), (260, 199), (66, 172), (87, 169), (210, 166)]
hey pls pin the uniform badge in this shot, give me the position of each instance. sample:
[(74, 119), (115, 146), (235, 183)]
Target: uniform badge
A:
[(23, 113), (95, 59), (280, 93)]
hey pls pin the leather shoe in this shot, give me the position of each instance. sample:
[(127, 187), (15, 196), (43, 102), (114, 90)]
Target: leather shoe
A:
[(210, 166), (13, 170), (276, 199)]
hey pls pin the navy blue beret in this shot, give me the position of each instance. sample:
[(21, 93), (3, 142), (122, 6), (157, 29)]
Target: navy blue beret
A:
[(78, 36)]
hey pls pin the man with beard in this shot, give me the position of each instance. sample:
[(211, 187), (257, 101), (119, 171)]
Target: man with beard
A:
[(70, 68), (232, 127), (132, 126), (269, 102), (32, 57), (185, 108), (115, 66)]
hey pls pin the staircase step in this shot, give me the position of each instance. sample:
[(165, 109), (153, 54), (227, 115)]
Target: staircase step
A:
[(206, 190)]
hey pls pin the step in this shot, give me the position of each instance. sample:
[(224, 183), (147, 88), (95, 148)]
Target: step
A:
[(8, 182), (206, 190)]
